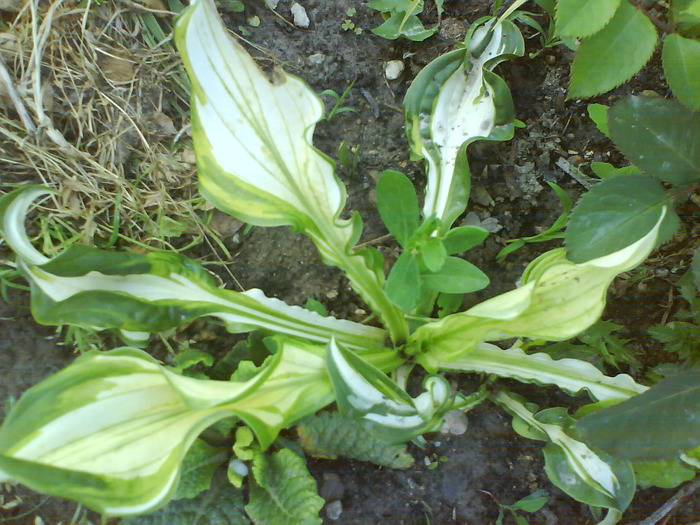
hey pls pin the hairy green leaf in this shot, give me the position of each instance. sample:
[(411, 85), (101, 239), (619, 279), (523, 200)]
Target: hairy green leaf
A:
[(329, 435), (616, 212), (220, 505), (398, 205), (582, 18), (659, 424), (660, 136), (456, 276), (282, 491), (198, 467), (612, 55), (681, 61)]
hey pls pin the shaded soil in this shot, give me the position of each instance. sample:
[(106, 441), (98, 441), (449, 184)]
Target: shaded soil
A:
[(508, 187)]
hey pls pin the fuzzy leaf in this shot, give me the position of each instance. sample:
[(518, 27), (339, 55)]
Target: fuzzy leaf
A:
[(398, 205), (282, 491), (582, 18), (221, 505), (453, 101), (681, 61), (616, 212), (329, 435), (198, 468), (657, 425), (612, 55), (558, 299)]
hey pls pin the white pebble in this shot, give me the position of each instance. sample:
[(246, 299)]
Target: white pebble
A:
[(393, 69), (301, 19)]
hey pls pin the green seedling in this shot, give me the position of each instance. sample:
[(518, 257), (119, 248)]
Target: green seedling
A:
[(337, 106), (118, 431), (529, 504), (401, 19)]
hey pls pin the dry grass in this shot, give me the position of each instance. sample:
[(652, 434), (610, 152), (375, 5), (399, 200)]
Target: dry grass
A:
[(94, 104)]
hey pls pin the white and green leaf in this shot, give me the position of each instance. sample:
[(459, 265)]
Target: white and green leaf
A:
[(252, 136), (112, 429), (453, 101), (558, 299), (146, 293)]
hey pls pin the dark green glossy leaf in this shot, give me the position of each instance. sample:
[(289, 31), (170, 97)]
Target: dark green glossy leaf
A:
[(398, 205), (582, 18), (681, 61), (615, 213), (403, 283), (456, 276), (659, 424), (660, 136), (612, 55)]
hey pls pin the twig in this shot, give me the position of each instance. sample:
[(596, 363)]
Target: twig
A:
[(573, 172), (660, 24), (672, 503), (21, 109)]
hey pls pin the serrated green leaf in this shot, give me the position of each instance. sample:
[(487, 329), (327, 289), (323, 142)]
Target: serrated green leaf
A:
[(282, 491), (599, 115), (612, 55), (662, 474), (659, 136), (220, 505), (403, 283), (681, 62), (614, 213), (198, 467), (582, 18), (398, 205), (329, 435), (659, 424), (456, 276)]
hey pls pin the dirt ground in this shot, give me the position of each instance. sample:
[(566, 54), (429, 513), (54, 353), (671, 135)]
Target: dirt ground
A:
[(509, 192)]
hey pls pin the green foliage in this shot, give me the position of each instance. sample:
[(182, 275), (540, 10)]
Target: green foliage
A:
[(663, 474), (530, 503), (681, 61), (329, 435), (401, 19), (657, 425), (220, 505), (198, 468), (338, 108), (282, 491)]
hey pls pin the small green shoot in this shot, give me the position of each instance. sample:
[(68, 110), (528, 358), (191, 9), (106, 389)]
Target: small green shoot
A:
[(528, 504), (338, 108)]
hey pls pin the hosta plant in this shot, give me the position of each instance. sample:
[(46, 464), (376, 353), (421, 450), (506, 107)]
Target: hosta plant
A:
[(113, 429)]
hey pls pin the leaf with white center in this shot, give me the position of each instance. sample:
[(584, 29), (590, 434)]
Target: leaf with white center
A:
[(571, 375), (453, 101), (252, 136), (590, 477), (111, 430), (558, 299), (146, 293), (364, 392)]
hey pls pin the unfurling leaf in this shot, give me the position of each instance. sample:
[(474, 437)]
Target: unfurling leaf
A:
[(329, 435), (455, 100), (282, 491), (616, 212), (657, 425), (659, 136), (612, 55)]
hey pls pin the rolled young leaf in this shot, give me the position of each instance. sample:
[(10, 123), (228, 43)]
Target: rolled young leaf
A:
[(558, 299), (252, 137), (111, 430), (146, 293), (453, 101)]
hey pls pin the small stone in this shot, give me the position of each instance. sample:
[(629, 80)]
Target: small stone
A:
[(332, 488), (393, 69), (455, 423), (272, 4), (334, 510), (301, 19), (316, 59)]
